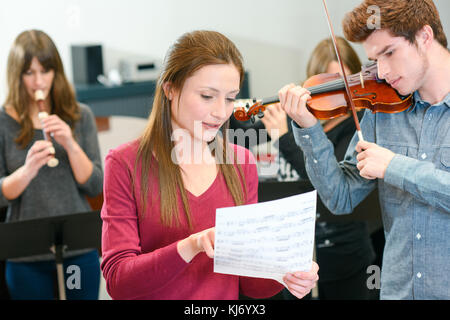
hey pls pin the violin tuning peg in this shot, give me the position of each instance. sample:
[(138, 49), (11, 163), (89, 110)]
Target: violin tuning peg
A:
[(252, 119), (260, 114)]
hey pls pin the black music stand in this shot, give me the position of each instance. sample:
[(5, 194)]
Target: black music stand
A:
[(51, 234)]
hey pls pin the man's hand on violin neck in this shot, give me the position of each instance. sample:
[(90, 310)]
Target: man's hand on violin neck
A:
[(293, 101), (372, 160)]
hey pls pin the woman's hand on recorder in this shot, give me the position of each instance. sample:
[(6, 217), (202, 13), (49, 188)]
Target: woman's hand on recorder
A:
[(59, 130), (38, 156)]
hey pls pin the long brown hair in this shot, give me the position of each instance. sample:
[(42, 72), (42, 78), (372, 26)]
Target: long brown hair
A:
[(190, 52), (30, 44), (401, 17), (324, 53)]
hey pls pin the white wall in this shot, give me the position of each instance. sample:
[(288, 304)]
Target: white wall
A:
[(275, 37)]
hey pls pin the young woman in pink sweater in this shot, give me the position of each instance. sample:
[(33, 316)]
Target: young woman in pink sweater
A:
[(162, 190)]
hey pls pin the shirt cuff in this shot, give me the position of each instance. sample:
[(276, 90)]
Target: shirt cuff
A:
[(309, 139)]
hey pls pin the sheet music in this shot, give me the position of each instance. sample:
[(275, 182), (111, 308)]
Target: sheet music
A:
[(268, 239)]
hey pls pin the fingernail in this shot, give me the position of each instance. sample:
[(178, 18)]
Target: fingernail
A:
[(51, 150)]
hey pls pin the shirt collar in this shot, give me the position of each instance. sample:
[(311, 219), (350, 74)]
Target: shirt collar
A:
[(418, 99)]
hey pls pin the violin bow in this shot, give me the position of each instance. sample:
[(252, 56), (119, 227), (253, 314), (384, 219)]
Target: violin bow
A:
[(352, 105)]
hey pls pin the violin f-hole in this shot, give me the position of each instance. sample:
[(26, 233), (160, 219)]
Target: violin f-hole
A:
[(373, 94)]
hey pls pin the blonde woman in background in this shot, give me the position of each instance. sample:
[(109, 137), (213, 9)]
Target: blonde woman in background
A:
[(343, 250)]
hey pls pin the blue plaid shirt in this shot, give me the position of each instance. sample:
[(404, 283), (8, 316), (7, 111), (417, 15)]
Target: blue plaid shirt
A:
[(414, 194)]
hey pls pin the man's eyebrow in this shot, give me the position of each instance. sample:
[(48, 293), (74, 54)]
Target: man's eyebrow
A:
[(381, 52)]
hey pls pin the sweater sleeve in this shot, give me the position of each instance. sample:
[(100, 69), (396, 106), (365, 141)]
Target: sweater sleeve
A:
[(90, 145), (292, 153), (258, 288), (129, 273), (3, 173)]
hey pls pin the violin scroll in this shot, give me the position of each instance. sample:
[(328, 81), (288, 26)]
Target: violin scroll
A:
[(247, 109)]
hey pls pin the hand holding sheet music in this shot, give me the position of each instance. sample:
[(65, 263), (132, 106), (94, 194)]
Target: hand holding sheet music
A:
[(266, 240)]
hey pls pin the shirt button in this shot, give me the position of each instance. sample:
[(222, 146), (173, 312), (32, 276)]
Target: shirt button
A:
[(419, 275), (423, 156), (418, 236), (306, 136), (314, 160)]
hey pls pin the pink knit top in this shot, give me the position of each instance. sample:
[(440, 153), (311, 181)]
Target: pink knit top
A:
[(140, 257)]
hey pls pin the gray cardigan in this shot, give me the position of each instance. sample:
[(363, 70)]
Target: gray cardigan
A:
[(54, 191)]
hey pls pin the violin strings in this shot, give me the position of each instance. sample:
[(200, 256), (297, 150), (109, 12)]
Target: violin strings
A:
[(327, 87), (337, 84)]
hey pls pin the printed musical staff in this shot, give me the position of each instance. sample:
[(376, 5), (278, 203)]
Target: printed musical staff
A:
[(267, 239)]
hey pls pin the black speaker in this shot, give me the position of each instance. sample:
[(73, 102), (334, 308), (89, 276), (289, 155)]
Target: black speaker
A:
[(245, 89), (87, 63)]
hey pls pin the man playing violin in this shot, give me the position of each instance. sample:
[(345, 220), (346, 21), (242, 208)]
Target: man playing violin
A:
[(406, 155)]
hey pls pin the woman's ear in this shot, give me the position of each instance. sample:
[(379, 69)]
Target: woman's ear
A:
[(168, 91)]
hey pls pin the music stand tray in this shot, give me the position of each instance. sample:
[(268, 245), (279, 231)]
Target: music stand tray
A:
[(51, 234)]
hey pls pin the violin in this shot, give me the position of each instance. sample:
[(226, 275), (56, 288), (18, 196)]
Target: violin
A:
[(329, 99), (335, 95)]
